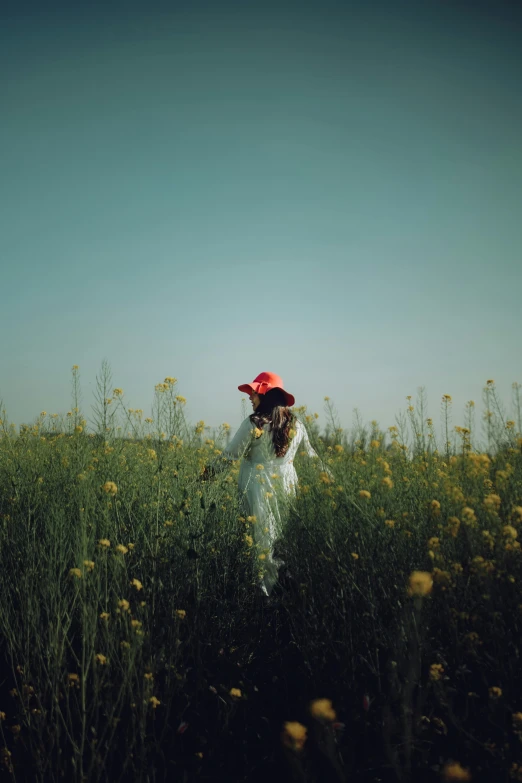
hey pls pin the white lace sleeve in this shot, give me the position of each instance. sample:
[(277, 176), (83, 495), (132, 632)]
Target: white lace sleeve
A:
[(235, 449), (311, 451), (237, 446), (306, 442)]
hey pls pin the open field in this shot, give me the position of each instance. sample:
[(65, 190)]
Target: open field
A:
[(133, 643)]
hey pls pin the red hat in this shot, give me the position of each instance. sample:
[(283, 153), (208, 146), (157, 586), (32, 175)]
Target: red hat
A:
[(264, 382)]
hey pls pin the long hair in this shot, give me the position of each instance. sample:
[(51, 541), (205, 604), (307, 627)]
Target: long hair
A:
[(273, 410)]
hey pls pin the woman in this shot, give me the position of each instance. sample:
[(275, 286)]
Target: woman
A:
[(268, 441)]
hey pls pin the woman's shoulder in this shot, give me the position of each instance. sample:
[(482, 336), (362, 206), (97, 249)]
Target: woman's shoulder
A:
[(247, 424)]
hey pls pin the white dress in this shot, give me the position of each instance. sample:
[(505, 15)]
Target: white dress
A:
[(265, 482)]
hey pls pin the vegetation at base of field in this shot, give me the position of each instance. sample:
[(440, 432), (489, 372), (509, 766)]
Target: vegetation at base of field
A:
[(135, 646)]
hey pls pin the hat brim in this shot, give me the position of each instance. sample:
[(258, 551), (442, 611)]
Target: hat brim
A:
[(249, 389)]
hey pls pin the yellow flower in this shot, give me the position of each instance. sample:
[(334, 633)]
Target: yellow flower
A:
[(136, 583), (355, 555), (453, 771), (262, 557), (446, 397), (148, 676), (89, 564), (181, 399), (420, 583), (442, 578), (434, 543), (43, 413), (154, 701), (110, 488), (122, 549), (501, 477), (510, 531), (492, 502), (453, 526), (124, 604), (294, 735), (517, 720), (365, 494), (78, 429), (495, 692), (260, 467), (235, 693), (75, 572), (436, 672), (389, 522), (387, 482), (249, 540), (322, 709), (104, 542), (117, 392), (105, 615), (73, 678), (181, 613), (490, 382), (257, 432), (468, 516), (101, 659)]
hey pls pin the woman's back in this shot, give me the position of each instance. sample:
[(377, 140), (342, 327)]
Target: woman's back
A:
[(260, 465), (262, 449)]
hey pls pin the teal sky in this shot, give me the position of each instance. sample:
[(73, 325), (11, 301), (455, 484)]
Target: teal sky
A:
[(331, 191)]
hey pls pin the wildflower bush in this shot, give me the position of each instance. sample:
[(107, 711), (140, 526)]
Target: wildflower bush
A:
[(135, 646)]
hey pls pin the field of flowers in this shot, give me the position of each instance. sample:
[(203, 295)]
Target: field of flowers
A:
[(135, 647)]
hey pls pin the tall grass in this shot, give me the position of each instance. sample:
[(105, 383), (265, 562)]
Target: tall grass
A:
[(135, 645)]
